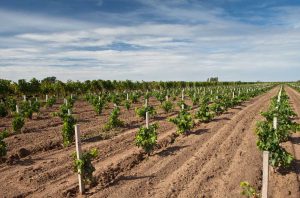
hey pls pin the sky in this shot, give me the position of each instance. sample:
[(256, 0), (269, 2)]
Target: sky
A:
[(189, 40)]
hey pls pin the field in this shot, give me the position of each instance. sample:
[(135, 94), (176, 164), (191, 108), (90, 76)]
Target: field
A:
[(210, 160), (149, 99)]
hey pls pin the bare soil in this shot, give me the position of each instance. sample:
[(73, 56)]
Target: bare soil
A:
[(211, 161), (43, 132)]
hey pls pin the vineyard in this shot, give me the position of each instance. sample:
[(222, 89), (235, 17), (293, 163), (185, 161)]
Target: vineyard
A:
[(149, 139)]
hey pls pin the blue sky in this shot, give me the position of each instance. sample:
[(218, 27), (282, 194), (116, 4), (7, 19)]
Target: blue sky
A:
[(191, 40)]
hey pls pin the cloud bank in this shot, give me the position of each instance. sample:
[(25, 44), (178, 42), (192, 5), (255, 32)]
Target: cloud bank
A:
[(174, 40)]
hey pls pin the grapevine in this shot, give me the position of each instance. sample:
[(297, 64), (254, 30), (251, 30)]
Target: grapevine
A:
[(68, 130), (183, 121), (141, 112), (127, 104), (147, 137), (84, 165), (3, 111), (18, 122), (167, 106), (3, 150), (50, 102), (269, 138), (114, 120), (248, 190)]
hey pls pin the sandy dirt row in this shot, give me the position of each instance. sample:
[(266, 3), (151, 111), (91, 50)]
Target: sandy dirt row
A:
[(43, 132), (209, 162), (184, 166), (37, 168)]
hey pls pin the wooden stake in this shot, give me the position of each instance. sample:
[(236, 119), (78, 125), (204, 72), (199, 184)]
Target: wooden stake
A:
[(46, 98), (279, 95), (147, 119), (24, 97), (69, 112), (265, 174), (275, 123), (78, 152), (17, 108), (146, 103)]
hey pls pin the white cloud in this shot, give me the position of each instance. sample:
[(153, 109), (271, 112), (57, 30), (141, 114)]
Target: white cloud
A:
[(212, 46)]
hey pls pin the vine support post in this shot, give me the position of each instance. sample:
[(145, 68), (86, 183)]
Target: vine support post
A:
[(46, 97), (265, 174), (17, 108), (69, 112), (146, 102), (167, 98), (78, 154), (182, 95), (147, 119), (278, 100), (24, 98), (275, 123), (127, 97), (279, 95)]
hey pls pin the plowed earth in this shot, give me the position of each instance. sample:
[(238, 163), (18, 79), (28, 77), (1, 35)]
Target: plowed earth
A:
[(210, 161)]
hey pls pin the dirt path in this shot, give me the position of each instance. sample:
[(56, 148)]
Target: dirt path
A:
[(295, 101), (208, 163)]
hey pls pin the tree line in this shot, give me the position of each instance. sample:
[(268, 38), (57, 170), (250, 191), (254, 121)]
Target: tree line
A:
[(51, 85)]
